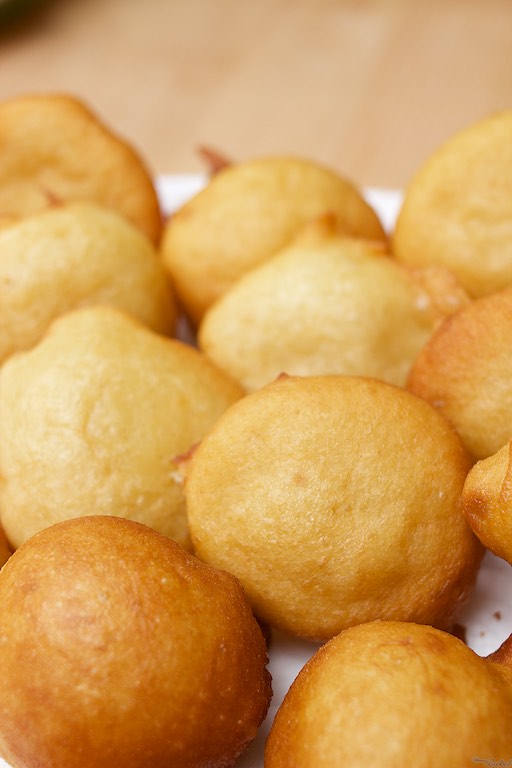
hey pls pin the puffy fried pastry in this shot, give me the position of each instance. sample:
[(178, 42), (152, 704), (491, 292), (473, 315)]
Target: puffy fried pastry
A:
[(390, 694), (54, 148), (335, 500), (245, 214), (119, 648), (327, 304), (465, 371), (92, 417), (74, 255), (457, 210), (487, 501)]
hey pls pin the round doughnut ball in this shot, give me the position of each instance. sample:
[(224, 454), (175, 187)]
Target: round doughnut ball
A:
[(93, 418), (465, 371), (393, 693), (335, 500), (457, 209), (119, 648), (54, 148), (245, 214), (73, 255), (327, 304), (487, 501)]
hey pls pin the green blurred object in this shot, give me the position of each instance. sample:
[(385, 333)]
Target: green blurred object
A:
[(15, 10)]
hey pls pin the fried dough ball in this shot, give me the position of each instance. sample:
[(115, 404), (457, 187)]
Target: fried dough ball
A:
[(327, 304), (458, 208), (465, 371), (92, 418), (74, 255), (390, 694), (487, 501), (245, 214), (120, 649), (335, 500), (54, 148)]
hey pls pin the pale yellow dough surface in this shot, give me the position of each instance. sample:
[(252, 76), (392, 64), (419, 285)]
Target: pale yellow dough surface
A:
[(92, 419), (457, 209), (73, 255), (327, 304), (54, 148), (248, 212)]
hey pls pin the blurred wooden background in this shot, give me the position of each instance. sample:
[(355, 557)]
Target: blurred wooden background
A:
[(369, 87)]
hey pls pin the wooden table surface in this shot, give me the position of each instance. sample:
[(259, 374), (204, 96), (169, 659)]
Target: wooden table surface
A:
[(369, 87)]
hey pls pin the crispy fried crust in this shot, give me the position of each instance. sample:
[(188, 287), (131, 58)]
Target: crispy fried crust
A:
[(335, 500), (487, 501), (465, 370), (390, 694), (120, 649)]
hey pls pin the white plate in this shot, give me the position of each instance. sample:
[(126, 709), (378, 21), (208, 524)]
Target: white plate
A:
[(487, 618)]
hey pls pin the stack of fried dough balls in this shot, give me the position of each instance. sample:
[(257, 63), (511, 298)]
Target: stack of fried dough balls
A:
[(335, 500), (121, 649), (92, 419), (75, 254), (80, 221), (342, 492), (54, 149), (246, 213), (117, 646), (327, 303), (390, 694)]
